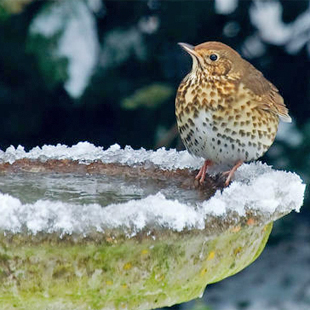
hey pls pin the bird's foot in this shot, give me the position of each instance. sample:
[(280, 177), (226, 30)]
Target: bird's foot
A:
[(203, 170), (230, 173)]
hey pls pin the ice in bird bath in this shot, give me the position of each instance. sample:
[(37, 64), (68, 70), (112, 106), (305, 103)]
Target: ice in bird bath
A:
[(87, 228)]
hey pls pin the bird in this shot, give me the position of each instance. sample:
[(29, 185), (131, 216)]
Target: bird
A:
[(226, 110)]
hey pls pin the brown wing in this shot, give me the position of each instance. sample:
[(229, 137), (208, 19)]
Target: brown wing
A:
[(271, 100)]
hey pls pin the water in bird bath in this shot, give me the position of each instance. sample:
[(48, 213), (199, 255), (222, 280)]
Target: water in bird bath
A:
[(89, 189)]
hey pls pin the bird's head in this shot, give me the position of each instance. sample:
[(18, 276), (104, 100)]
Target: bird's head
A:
[(214, 59)]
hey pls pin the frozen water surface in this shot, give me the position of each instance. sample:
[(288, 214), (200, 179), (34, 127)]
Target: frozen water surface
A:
[(70, 203)]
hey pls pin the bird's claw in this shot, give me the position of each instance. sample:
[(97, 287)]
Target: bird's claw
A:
[(230, 173), (203, 171)]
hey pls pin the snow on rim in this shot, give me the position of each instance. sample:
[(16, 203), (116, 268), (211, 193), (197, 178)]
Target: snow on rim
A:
[(256, 186), (86, 152)]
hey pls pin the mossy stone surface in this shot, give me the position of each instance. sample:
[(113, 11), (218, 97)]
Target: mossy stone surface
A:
[(143, 272)]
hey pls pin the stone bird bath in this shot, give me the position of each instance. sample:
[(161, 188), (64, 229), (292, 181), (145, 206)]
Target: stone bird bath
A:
[(87, 228)]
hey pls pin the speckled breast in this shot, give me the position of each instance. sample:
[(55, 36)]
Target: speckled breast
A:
[(222, 121)]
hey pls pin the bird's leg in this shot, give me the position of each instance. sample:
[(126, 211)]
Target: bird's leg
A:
[(203, 170), (231, 172)]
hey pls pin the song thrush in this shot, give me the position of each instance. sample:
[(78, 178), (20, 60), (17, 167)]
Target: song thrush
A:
[(227, 111)]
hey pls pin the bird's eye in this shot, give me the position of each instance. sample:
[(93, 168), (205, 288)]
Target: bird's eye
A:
[(213, 57)]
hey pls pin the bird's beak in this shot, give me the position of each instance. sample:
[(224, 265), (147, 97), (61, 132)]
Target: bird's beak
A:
[(188, 48), (197, 60)]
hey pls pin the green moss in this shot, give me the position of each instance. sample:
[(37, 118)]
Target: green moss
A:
[(129, 273)]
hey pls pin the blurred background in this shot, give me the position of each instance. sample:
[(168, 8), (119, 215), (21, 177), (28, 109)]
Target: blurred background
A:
[(107, 72)]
